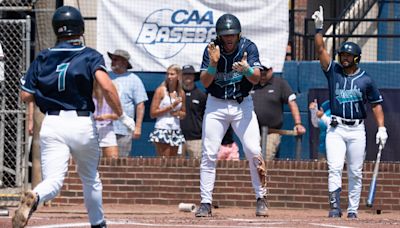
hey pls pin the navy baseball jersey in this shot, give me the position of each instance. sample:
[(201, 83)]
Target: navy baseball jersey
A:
[(349, 93), (229, 84), (61, 78)]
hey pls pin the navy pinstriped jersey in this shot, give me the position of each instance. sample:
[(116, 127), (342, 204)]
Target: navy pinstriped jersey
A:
[(61, 78), (348, 94), (229, 84)]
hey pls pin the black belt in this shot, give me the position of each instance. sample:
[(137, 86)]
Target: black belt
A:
[(351, 122), (79, 113)]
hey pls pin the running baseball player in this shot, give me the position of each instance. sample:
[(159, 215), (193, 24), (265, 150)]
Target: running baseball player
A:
[(230, 68), (60, 81), (349, 89)]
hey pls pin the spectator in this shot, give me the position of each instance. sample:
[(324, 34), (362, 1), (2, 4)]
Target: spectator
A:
[(132, 95), (104, 116), (229, 150), (195, 106), (269, 96), (168, 106), (321, 118)]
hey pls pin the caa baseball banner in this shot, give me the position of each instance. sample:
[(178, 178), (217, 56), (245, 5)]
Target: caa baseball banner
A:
[(159, 33)]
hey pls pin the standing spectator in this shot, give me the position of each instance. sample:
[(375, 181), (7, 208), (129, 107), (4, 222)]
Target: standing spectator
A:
[(132, 95), (104, 116), (168, 106), (229, 150), (320, 118), (269, 97), (60, 81), (350, 88), (195, 106), (229, 71)]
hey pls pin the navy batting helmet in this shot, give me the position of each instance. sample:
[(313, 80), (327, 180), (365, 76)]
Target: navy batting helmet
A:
[(228, 24), (352, 49), (68, 21)]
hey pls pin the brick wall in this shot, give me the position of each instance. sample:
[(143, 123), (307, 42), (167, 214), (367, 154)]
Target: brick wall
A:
[(292, 184)]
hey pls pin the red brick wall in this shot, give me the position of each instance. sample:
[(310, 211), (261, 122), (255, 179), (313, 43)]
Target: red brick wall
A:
[(291, 184)]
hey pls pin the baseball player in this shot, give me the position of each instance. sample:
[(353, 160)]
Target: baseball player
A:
[(349, 89), (230, 68), (60, 81)]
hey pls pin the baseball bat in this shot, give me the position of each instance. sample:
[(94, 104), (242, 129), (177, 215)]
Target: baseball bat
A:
[(372, 187), (282, 132)]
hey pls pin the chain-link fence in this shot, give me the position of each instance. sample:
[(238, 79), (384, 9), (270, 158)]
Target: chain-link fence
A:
[(15, 41)]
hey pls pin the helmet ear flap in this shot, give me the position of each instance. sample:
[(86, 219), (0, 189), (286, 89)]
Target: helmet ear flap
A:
[(357, 59)]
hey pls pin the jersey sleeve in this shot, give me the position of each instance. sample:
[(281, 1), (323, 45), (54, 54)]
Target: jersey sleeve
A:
[(97, 63), (206, 60), (253, 57), (373, 94), (29, 80), (330, 71)]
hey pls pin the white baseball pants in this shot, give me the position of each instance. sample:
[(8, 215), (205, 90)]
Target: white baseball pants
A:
[(219, 114), (61, 136), (346, 143)]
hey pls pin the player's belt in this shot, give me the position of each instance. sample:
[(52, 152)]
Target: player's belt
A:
[(349, 122), (79, 113)]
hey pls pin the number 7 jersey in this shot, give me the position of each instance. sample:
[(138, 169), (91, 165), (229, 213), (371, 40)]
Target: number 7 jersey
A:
[(61, 78)]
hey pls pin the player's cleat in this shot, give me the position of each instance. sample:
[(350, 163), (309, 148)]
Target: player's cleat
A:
[(28, 205), (101, 225), (204, 210), (262, 207), (334, 204), (351, 215)]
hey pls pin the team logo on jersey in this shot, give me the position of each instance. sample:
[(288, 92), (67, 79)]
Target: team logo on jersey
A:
[(348, 95), (225, 79), (165, 32)]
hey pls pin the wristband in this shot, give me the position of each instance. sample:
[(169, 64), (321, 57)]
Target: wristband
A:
[(211, 70), (249, 72), (318, 30), (297, 124)]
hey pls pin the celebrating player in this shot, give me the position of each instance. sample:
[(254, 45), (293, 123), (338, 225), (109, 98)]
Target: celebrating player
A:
[(230, 68), (60, 81), (349, 89)]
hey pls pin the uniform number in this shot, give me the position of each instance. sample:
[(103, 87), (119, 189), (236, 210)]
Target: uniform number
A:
[(62, 71)]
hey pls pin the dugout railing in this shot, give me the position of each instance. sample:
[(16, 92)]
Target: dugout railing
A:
[(370, 29)]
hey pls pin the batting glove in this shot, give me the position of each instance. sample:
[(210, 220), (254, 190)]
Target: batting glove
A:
[(318, 17), (127, 121), (381, 136), (242, 66)]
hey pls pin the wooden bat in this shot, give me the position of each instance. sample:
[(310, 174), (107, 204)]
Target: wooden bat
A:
[(282, 132), (372, 187)]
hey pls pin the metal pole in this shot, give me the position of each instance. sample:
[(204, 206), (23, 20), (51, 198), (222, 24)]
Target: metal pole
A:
[(298, 146), (264, 134), (27, 137)]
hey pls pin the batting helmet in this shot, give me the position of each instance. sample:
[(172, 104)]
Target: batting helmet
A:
[(68, 21), (352, 49), (228, 24)]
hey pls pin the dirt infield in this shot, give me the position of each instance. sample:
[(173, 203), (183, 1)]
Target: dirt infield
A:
[(141, 216)]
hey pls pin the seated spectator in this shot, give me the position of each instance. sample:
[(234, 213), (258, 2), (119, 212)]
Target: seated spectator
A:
[(168, 106)]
